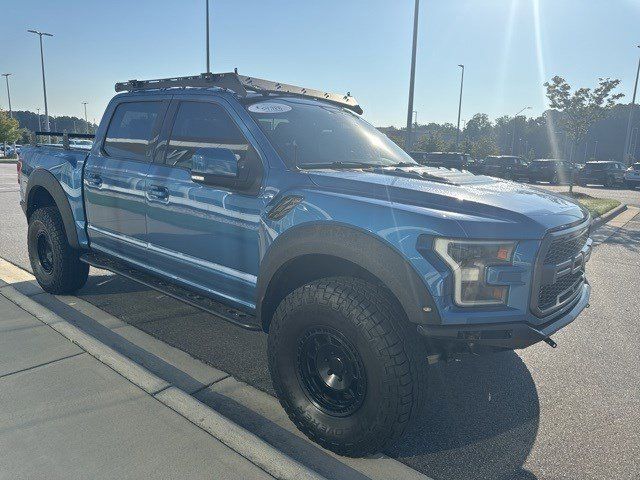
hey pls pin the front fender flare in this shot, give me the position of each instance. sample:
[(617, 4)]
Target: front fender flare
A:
[(355, 245)]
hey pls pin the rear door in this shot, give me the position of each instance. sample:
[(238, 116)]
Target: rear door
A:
[(205, 236), (115, 179)]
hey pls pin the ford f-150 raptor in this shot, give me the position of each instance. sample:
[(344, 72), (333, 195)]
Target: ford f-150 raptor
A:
[(278, 208)]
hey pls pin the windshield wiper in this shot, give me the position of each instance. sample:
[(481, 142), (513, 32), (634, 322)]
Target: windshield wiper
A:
[(336, 165), (405, 164)]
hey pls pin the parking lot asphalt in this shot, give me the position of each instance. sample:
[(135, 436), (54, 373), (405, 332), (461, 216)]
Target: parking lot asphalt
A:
[(568, 413)]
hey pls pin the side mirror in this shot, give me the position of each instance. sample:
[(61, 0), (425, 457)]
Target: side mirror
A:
[(210, 164), (221, 167)]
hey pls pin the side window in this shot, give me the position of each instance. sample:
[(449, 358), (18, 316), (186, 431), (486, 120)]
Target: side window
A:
[(131, 129), (200, 125)]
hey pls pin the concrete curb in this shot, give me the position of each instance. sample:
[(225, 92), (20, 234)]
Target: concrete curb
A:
[(602, 219), (234, 436)]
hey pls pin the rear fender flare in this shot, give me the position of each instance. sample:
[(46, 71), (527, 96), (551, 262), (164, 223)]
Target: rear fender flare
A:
[(45, 179)]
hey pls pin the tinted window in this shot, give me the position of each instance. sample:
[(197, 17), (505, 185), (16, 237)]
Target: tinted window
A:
[(204, 125), (131, 129)]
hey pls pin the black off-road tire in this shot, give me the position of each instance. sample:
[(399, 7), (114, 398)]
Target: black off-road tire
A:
[(393, 358), (59, 271)]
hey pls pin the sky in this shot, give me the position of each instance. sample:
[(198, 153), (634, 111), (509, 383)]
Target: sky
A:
[(509, 48)]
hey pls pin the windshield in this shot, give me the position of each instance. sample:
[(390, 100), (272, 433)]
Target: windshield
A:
[(311, 135)]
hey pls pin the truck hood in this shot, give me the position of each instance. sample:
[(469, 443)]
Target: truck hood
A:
[(470, 197)]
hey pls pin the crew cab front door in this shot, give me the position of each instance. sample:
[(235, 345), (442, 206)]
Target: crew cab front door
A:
[(115, 180), (201, 235)]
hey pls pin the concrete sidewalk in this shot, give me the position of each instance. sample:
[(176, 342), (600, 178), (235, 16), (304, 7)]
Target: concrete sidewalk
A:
[(65, 415)]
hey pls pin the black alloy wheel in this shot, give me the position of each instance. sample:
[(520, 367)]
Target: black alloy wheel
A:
[(331, 371), (45, 251)]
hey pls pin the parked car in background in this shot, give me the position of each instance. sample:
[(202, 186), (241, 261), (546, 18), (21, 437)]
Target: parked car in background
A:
[(632, 176), (11, 150), (552, 170), (81, 144), (607, 173), (460, 161), (508, 167)]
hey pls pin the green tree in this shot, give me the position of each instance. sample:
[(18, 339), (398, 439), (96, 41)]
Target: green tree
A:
[(432, 142), (581, 109), (484, 146), (9, 129), (478, 127)]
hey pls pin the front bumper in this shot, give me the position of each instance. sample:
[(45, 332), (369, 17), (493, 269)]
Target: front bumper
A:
[(508, 335)]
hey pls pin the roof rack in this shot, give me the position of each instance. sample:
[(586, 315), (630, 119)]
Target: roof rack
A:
[(240, 84), (65, 137)]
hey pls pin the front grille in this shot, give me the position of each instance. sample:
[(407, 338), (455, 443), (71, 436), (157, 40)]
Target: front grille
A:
[(559, 274), (565, 248), (559, 292)]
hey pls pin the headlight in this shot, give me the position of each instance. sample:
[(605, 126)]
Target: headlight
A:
[(468, 261)]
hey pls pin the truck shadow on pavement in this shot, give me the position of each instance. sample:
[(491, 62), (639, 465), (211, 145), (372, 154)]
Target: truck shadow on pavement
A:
[(480, 419)]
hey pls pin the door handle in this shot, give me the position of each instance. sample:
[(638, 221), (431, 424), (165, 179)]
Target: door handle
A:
[(93, 180), (156, 192)]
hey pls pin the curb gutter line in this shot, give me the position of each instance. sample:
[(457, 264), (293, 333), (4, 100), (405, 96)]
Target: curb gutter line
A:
[(602, 219)]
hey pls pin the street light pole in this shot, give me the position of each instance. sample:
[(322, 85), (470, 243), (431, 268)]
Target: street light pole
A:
[(459, 106), (513, 133), (6, 77), (627, 142), (86, 123), (412, 77), (44, 83), (415, 127), (208, 61)]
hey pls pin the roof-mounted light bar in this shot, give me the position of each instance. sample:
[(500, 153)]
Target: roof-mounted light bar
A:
[(240, 84)]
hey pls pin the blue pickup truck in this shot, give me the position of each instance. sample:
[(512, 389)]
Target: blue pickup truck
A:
[(279, 209)]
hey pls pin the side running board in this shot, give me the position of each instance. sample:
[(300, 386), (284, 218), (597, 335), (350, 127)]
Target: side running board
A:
[(173, 290)]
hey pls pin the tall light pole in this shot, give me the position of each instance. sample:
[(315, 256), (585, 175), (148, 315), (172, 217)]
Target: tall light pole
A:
[(207, 28), (6, 77), (460, 105), (412, 76), (627, 142), (44, 83), (595, 150), (86, 123), (513, 133), (415, 127)]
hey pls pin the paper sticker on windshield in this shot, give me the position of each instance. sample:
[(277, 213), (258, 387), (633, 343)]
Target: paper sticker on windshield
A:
[(269, 107)]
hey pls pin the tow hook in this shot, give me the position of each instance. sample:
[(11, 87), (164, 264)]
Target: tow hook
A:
[(550, 342)]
